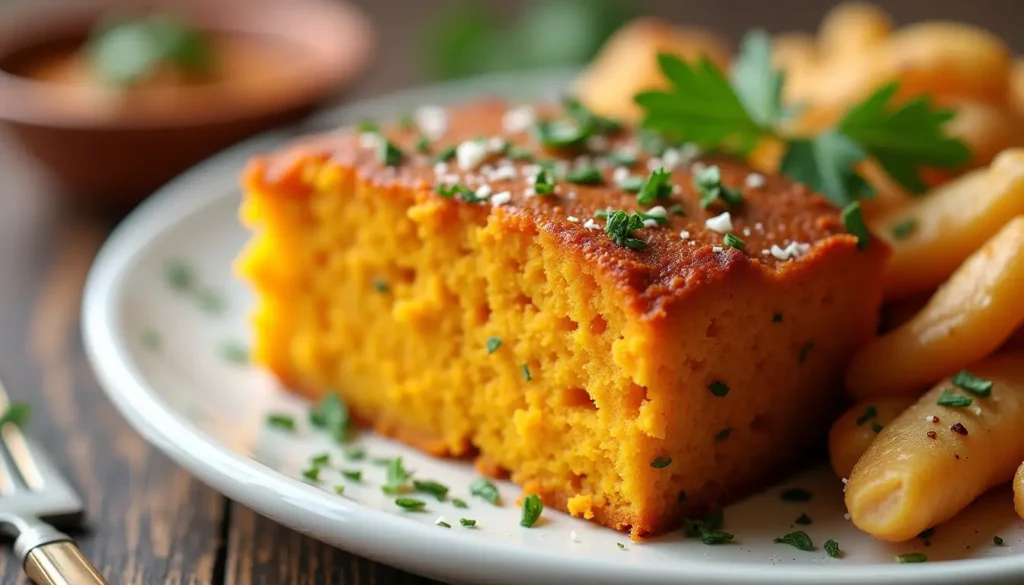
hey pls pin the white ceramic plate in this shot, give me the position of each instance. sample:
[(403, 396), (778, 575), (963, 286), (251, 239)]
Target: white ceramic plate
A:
[(209, 415)]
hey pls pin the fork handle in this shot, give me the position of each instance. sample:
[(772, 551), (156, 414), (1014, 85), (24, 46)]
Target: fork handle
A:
[(61, 563)]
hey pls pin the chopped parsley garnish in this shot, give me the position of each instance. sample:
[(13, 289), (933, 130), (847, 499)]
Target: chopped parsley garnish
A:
[(655, 188), (560, 134), (585, 176), (707, 528), (853, 220), (796, 495), (620, 545), (877, 428), (352, 474), (321, 459), (150, 339), (234, 352), (438, 490), (805, 351), (901, 230), (406, 122), (355, 454), (312, 473), (380, 286), (926, 533), (803, 520), (461, 191), (702, 107), (411, 504), (715, 537), (493, 343), (179, 275), (330, 414), (997, 541), (632, 184), (661, 462), (446, 154), (544, 183), (128, 50), (210, 301), (623, 157), (520, 153), (708, 182), (731, 241), (911, 558), (339, 489), (799, 539), (486, 490), (525, 370), (973, 384), (17, 413), (388, 153), (620, 226), (459, 503), (832, 548), (722, 435), (285, 422), (396, 477), (532, 509), (677, 209), (423, 145), (467, 522), (598, 124), (950, 399), (719, 388), (442, 524), (869, 413), (367, 125), (777, 318)]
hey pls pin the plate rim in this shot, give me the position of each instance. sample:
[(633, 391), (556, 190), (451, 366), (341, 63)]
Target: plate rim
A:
[(407, 545)]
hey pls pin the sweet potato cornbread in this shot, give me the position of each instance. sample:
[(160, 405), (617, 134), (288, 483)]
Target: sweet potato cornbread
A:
[(478, 305)]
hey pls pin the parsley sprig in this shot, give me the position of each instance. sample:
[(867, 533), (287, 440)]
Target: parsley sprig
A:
[(702, 106)]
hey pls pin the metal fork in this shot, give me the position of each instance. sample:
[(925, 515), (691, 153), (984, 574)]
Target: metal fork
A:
[(31, 488)]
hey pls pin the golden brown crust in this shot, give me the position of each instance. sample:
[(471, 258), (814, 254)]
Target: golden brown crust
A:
[(665, 271)]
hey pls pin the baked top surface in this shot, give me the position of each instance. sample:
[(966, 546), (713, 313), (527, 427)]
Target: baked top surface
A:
[(783, 225)]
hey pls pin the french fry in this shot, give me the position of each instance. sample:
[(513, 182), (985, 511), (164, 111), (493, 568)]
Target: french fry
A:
[(969, 317), (921, 472), (857, 428), (948, 224)]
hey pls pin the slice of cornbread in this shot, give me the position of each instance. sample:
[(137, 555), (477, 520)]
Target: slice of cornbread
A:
[(626, 384)]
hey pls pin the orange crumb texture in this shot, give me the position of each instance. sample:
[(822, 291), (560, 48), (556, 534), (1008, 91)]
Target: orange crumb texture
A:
[(371, 284)]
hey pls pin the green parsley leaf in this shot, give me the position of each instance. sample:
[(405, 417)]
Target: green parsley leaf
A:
[(585, 176), (952, 400), (699, 107), (661, 462), (388, 153), (339, 489), (926, 533), (367, 125), (803, 520), (997, 541), (777, 318), (312, 474), (561, 134), (532, 509), (826, 164), (655, 188), (620, 545), (411, 504), (442, 524), (832, 548), (467, 522), (904, 138), (17, 413), (796, 495), (544, 183), (758, 84), (677, 209), (799, 539), (234, 352), (445, 155), (352, 474), (459, 503), (715, 537), (423, 145), (520, 153), (285, 422), (179, 275), (330, 414), (380, 286), (584, 117), (732, 241), (320, 460), (853, 219), (438, 490), (210, 301), (620, 226), (124, 52), (877, 428), (486, 490), (901, 230), (493, 343), (911, 558), (709, 525), (396, 477), (973, 384), (722, 435), (525, 370), (708, 182), (869, 413), (355, 454), (719, 388)]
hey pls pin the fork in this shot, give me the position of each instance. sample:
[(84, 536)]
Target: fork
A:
[(31, 490)]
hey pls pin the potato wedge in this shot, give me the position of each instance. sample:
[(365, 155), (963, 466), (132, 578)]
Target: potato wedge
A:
[(627, 63), (969, 317), (985, 128), (949, 224), (910, 479), (852, 27), (1018, 491), (858, 427)]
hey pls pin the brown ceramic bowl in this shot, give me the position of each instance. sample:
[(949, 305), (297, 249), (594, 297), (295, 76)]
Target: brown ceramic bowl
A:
[(109, 147)]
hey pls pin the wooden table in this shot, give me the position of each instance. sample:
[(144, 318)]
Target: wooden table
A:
[(150, 522)]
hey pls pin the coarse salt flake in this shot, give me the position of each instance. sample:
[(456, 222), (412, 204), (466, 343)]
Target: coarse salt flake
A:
[(620, 174), (573, 537), (484, 191), (501, 198), (431, 120), (369, 139), (503, 173), (755, 180), (684, 235), (650, 222), (439, 521), (441, 168), (573, 219), (517, 120), (720, 223), (671, 158), (716, 248), (591, 224), (657, 211), (746, 232), (654, 163), (470, 154)]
